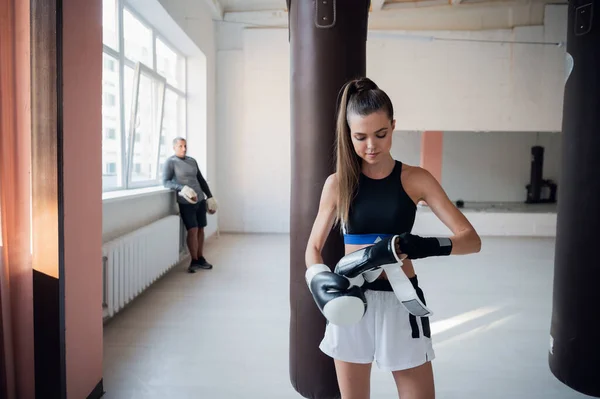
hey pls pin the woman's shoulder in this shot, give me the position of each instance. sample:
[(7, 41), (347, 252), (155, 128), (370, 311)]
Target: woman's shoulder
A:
[(331, 183), (415, 178), (330, 191), (412, 171), (407, 170)]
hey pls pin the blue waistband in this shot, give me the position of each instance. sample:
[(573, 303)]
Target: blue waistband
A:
[(358, 239)]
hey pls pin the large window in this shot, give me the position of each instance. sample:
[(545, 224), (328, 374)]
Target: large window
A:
[(143, 99)]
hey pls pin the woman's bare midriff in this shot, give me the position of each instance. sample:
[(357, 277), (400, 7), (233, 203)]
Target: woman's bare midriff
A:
[(407, 265)]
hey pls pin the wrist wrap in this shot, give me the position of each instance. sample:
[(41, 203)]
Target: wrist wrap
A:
[(416, 247)]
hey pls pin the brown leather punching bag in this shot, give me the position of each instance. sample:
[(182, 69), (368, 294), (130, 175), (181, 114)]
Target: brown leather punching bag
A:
[(574, 356), (328, 48)]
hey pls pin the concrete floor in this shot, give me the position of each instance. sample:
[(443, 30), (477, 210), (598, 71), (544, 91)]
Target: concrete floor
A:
[(223, 333)]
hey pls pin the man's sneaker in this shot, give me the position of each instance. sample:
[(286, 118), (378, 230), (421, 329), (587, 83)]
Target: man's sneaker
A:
[(202, 263), (193, 266)]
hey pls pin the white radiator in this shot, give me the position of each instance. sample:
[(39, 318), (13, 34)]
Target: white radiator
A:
[(134, 261)]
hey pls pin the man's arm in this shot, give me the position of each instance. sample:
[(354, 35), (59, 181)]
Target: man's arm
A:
[(203, 183), (168, 177)]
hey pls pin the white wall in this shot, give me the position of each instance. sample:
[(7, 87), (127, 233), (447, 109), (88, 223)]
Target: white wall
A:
[(485, 167), (435, 85), (473, 86), (495, 167), (123, 215), (187, 25), (406, 147), (254, 139), (230, 168), (266, 140)]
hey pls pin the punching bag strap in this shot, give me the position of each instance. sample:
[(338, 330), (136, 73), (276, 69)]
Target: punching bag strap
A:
[(289, 11), (583, 19), (325, 13)]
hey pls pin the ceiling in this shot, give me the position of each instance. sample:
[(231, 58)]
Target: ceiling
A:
[(252, 5), (400, 14)]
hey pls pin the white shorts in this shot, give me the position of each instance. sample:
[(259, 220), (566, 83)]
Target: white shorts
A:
[(387, 334)]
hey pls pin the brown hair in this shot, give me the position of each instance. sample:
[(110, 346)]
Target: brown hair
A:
[(357, 97)]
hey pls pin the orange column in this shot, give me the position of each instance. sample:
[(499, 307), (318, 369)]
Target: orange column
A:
[(82, 176), (16, 291), (432, 144)]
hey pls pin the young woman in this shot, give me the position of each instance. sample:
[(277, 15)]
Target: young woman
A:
[(372, 196)]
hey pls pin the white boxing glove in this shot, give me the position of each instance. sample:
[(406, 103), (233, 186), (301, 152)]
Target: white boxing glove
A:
[(189, 194), (211, 204)]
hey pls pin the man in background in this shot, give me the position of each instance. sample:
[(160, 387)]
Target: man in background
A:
[(182, 174)]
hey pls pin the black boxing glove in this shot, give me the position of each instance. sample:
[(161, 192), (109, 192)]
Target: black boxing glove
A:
[(341, 302), (367, 262), (416, 247)]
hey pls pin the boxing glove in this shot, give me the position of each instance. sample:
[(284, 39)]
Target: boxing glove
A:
[(211, 205), (368, 261), (341, 303), (189, 194), (371, 261)]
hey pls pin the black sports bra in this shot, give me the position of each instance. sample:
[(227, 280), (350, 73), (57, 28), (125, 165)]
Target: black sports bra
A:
[(380, 208)]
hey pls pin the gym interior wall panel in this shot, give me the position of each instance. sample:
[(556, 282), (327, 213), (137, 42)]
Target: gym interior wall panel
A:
[(462, 83), (127, 214), (194, 17), (266, 136), (495, 167), (406, 147), (197, 113), (156, 14), (229, 37), (230, 152)]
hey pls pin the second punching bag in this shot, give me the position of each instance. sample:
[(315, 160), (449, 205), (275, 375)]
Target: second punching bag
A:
[(328, 47), (574, 346)]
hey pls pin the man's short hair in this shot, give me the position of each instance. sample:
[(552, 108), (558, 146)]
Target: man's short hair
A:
[(177, 140)]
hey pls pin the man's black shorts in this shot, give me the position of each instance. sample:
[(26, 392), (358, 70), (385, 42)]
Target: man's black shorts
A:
[(193, 215)]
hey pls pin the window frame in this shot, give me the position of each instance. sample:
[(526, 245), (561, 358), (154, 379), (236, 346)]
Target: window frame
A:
[(139, 70), (125, 135)]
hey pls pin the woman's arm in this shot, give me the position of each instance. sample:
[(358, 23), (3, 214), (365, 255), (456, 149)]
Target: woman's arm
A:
[(465, 239), (323, 222)]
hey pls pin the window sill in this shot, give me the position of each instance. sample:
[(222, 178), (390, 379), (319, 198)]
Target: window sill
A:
[(113, 196)]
